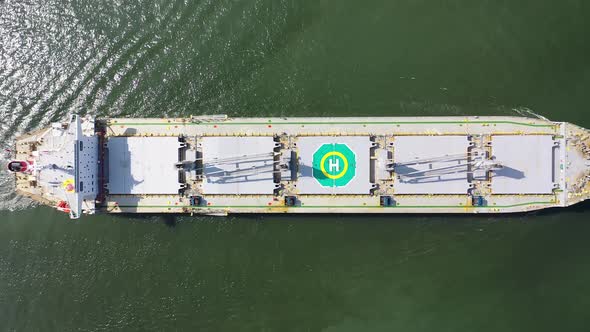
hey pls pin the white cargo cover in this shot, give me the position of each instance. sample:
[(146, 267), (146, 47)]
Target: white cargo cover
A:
[(528, 164), (143, 165), (415, 154), (238, 165), (360, 175)]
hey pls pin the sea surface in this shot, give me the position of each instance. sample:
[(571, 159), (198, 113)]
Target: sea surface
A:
[(524, 272)]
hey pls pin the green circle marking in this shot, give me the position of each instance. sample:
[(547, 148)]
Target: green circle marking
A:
[(334, 165)]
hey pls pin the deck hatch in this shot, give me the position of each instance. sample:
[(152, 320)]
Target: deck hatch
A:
[(334, 165), (238, 165), (430, 164), (528, 164), (143, 165)]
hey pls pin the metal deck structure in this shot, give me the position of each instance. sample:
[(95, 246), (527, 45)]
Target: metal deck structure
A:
[(216, 165)]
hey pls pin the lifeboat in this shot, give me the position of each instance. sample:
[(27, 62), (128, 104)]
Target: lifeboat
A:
[(19, 166)]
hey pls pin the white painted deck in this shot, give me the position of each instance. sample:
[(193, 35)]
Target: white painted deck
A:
[(143, 165), (528, 164), (238, 165), (419, 154), (360, 184)]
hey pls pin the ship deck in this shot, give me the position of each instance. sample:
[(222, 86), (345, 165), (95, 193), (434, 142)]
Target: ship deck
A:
[(401, 165), (217, 165)]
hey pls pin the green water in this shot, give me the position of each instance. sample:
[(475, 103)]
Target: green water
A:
[(292, 58)]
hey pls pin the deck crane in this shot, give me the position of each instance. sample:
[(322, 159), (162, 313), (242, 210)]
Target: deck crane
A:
[(465, 163)]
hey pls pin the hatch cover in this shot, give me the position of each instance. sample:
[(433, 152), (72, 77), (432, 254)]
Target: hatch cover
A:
[(334, 165)]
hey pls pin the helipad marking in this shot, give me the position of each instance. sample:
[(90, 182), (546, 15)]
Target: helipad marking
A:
[(334, 163)]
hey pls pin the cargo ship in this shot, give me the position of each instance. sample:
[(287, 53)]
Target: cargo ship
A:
[(216, 165)]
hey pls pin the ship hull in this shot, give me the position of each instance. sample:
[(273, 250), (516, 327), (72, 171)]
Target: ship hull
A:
[(215, 165)]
